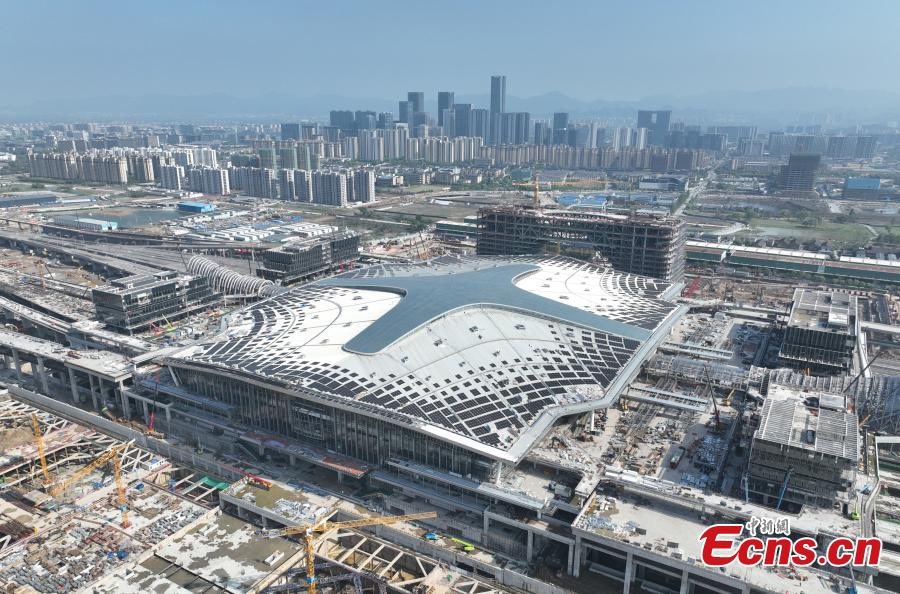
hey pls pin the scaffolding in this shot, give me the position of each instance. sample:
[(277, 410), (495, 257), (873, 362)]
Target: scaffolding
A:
[(641, 244)]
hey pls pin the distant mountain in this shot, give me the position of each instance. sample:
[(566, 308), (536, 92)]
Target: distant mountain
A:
[(720, 106)]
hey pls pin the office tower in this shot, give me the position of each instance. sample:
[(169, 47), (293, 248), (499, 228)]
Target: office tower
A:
[(365, 120), (799, 175), (385, 119), (329, 187), (462, 114), (542, 133), (290, 131), (405, 115), (650, 245), (449, 122), (303, 185), (416, 100), (657, 124), (309, 131), (445, 102), (514, 127), (342, 119), (560, 126), (498, 105), (171, 176), (209, 180), (581, 136), (481, 124), (287, 157)]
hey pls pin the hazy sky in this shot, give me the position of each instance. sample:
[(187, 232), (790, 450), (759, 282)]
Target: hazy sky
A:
[(591, 49)]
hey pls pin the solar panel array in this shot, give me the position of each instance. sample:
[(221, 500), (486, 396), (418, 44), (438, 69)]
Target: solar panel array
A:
[(481, 372)]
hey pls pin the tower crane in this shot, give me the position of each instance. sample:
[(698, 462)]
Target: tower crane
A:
[(112, 456), (310, 531), (39, 443)]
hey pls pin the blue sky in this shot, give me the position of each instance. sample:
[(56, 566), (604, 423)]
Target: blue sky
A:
[(591, 49)]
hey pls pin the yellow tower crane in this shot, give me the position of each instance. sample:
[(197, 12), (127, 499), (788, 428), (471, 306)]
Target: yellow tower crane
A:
[(39, 443), (112, 456), (310, 531)]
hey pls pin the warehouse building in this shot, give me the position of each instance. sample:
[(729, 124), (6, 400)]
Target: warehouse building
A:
[(86, 224)]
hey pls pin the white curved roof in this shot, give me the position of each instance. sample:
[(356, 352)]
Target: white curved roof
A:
[(478, 369)]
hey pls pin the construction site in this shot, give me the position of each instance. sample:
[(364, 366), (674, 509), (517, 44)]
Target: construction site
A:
[(597, 414)]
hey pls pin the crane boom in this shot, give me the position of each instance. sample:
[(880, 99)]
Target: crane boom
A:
[(39, 443), (327, 526), (120, 489), (310, 531), (91, 466)]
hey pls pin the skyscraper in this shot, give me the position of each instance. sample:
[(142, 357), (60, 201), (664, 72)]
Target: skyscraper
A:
[(463, 119), (560, 124), (290, 131), (445, 101), (657, 124), (416, 101), (404, 112), (498, 105)]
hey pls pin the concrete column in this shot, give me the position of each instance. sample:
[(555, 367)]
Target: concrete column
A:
[(5, 361), (293, 459), (17, 363), (146, 412), (73, 385), (530, 547), (262, 451), (93, 392), (575, 570), (499, 473), (684, 581), (629, 572), (126, 405), (487, 522), (571, 560), (42, 375), (168, 414)]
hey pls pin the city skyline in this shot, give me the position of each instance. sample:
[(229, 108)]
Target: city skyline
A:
[(584, 60)]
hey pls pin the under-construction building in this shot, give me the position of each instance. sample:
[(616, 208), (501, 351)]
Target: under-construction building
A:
[(805, 451), (646, 244), (821, 331), (304, 259), (136, 303)]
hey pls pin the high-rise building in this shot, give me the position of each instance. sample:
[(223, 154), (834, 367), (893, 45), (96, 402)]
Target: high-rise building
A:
[(268, 157), (542, 133), (657, 124), (365, 120), (254, 181), (481, 123), (171, 176), (303, 189), (290, 131), (560, 126), (462, 115), (286, 189), (799, 175), (445, 101), (343, 119), (363, 185), (329, 187), (405, 115), (209, 180), (514, 127), (287, 157), (416, 101), (498, 106)]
